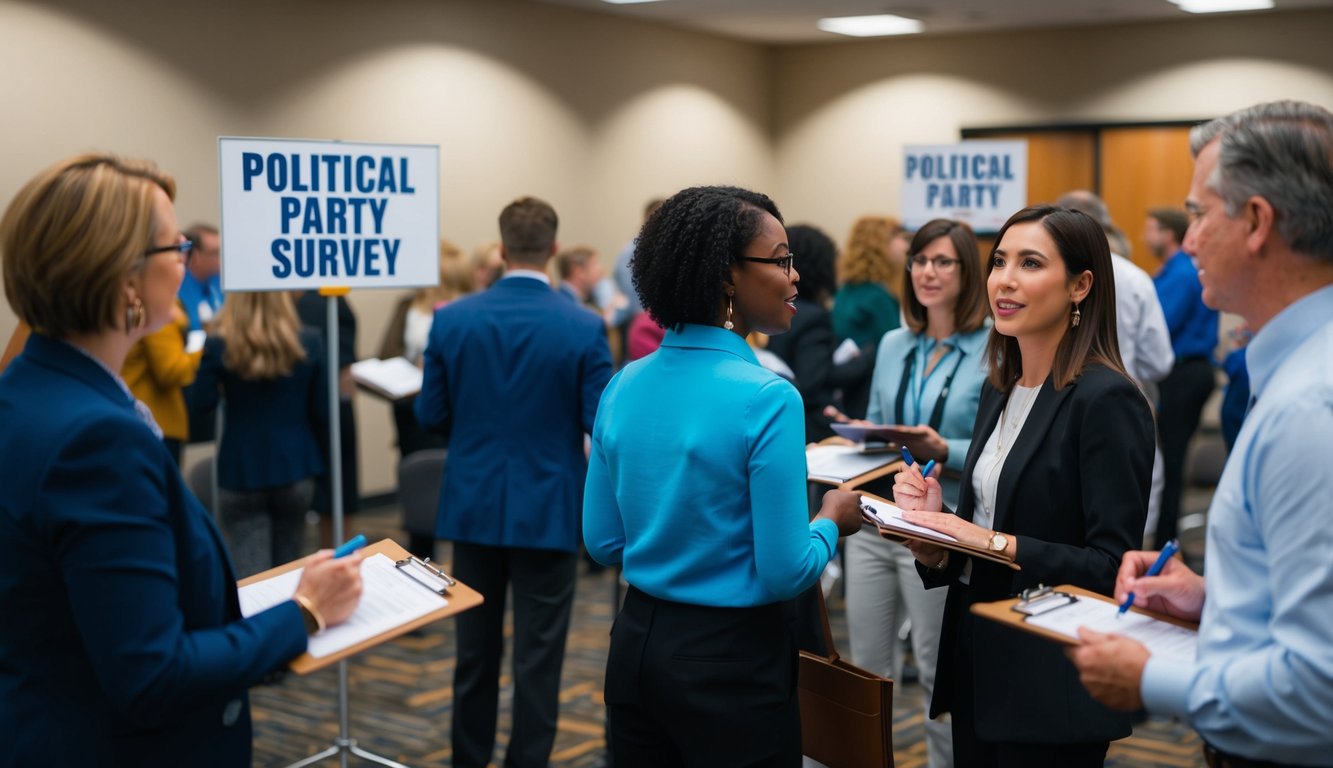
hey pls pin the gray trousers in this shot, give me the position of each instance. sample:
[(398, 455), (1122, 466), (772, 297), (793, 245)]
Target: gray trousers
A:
[(263, 528), (884, 590)]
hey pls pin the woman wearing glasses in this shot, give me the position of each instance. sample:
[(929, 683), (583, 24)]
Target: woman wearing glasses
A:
[(123, 642), (696, 484), (1056, 479), (928, 378)]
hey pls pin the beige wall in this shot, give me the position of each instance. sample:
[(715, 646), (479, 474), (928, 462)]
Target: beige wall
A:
[(595, 113), (844, 111)]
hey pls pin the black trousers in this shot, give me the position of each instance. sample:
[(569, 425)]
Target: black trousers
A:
[(1183, 394), (543, 588), (970, 751), (690, 685)]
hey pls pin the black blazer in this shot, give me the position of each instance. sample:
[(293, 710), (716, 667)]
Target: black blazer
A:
[(808, 348), (1074, 493)]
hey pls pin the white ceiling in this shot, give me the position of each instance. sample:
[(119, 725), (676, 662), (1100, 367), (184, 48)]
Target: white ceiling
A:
[(793, 21)]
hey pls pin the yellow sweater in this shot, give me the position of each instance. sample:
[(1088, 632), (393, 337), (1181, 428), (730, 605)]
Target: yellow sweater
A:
[(156, 370)]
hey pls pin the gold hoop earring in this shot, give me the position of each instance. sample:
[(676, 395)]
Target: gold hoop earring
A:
[(729, 325), (135, 316), (1075, 318)]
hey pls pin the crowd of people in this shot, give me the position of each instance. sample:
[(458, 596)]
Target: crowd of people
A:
[(656, 415)]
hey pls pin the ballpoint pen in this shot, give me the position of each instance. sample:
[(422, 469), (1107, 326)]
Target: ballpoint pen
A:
[(1168, 552), (907, 457), (351, 545)]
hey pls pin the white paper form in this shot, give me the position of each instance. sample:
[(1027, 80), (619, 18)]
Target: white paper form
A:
[(388, 599), (840, 463), (1162, 638), (891, 517)]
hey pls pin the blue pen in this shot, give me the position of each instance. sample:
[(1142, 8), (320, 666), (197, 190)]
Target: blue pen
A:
[(351, 545), (1168, 552), (925, 471), (907, 456)]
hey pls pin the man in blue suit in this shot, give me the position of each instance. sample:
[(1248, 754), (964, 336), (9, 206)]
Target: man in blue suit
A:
[(513, 376)]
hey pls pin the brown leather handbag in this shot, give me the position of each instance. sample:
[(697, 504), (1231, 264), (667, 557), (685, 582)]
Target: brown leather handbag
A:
[(846, 712)]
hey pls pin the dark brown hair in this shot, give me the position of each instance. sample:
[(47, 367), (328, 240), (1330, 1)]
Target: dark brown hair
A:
[(527, 230), (1082, 246), (971, 308)]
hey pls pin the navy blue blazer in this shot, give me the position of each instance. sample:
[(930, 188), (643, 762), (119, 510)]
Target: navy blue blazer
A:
[(122, 641), (513, 376), (272, 428)]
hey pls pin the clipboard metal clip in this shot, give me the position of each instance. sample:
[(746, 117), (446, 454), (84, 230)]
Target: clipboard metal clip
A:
[(425, 573), (1037, 600)]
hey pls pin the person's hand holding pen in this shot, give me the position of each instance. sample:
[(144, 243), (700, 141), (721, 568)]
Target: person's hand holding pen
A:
[(330, 585), (1176, 590), (917, 491)]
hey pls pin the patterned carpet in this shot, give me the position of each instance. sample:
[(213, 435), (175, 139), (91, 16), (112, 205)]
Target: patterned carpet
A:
[(401, 693)]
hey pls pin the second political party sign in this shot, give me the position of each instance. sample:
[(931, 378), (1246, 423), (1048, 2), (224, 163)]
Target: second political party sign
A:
[(979, 182), (311, 214)]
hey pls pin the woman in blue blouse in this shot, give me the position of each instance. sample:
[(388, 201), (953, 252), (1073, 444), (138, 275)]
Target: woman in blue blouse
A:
[(927, 378), (696, 484)]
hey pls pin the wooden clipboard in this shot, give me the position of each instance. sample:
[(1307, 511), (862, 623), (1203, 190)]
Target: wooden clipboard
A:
[(892, 464), (460, 596), (897, 534), (1003, 612)]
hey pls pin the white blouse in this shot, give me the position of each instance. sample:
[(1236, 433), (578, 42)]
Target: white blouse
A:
[(990, 462)]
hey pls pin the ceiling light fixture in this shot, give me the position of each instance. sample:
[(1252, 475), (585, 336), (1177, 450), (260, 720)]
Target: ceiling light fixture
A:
[(870, 26), (1222, 6)]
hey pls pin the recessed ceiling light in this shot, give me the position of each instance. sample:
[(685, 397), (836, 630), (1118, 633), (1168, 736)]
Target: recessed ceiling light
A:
[(1222, 6), (870, 26), (629, 2)]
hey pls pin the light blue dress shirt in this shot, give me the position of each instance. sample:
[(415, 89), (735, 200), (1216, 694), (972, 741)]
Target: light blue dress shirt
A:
[(696, 482), (1262, 684), (201, 300), (967, 357)]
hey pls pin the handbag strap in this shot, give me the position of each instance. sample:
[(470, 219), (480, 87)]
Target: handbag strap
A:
[(823, 620)]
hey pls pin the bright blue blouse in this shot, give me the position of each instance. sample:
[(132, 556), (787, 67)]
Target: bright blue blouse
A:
[(696, 482)]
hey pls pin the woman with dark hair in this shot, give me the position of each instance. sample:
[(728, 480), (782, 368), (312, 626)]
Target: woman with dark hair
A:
[(808, 347), (927, 380), (1061, 461), (696, 484)]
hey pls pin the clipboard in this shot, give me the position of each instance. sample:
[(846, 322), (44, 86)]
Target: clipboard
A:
[(460, 598), (890, 531), (881, 464), (1017, 612), (882, 433)]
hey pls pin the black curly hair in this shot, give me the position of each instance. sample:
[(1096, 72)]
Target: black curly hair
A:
[(815, 260), (685, 249)]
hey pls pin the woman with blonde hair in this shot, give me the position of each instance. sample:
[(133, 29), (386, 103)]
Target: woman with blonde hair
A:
[(866, 305), (126, 644), (270, 373)]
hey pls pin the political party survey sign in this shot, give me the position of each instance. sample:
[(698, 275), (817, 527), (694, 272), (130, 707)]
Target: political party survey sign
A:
[(979, 182), (300, 214)]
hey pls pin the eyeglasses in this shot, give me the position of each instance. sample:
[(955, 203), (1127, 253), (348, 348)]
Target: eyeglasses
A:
[(943, 264), (184, 247), (781, 261)]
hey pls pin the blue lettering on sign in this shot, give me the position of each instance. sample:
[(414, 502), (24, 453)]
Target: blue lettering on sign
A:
[(978, 167), (335, 257), (364, 174)]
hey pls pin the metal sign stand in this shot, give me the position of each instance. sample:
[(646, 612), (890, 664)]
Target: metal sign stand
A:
[(344, 744)]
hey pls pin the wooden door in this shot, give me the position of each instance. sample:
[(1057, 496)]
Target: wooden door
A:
[(1058, 161), (1143, 168)]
